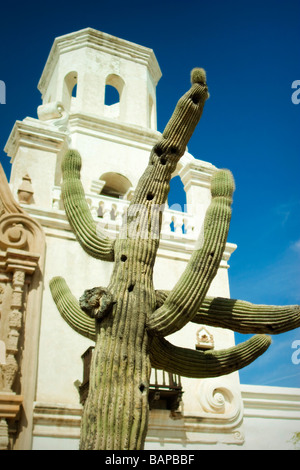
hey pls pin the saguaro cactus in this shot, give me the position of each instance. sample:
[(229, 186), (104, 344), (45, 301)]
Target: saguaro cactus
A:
[(128, 319)]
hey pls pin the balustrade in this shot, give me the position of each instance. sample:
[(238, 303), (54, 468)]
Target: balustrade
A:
[(110, 212)]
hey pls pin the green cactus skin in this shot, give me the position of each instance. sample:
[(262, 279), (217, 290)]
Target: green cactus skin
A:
[(128, 319), (68, 307), (237, 315), (184, 301), (241, 316), (82, 223), (204, 364)]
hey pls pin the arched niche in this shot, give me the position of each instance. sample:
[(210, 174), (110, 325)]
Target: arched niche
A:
[(116, 185)]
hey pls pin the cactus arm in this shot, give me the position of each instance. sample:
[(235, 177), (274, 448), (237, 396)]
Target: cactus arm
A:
[(206, 364), (245, 317), (91, 238), (153, 186), (184, 301), (241, 316), (69, 309)]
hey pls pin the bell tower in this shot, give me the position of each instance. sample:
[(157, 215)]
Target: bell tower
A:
[(82, 66), (98, 96)]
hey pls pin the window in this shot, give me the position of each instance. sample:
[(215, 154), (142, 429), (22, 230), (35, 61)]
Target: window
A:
[(113, 95), (116, 185), (74, 91), (177, 195)]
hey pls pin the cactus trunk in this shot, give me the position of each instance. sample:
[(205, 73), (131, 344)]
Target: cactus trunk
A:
[(116, 411)]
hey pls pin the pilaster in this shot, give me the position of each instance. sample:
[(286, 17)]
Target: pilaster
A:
[(21, 265)]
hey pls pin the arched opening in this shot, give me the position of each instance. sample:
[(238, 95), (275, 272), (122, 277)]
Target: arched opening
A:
[(69, 89), (111, 95), (177, 201), (177, 195), (74, 91), (116, 185), (114, 86)]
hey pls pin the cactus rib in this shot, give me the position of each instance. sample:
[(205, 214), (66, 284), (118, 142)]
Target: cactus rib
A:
[(185, 299), (205, 364), (241, 316), (95, 242), (69, 309)]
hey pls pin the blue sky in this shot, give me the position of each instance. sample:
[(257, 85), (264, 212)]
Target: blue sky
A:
[(250, 50)]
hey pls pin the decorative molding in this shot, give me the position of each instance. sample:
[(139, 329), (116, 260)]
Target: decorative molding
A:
[(197, 173), (10, 405), (34, 134), (56, 420), (204, 338), (97, 186), (219, 420), (22, 247), (271, 402), (50, 111), (25, 191), (114, 131)]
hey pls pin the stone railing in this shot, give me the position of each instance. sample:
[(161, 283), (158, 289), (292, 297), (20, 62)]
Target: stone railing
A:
[(110, 213)]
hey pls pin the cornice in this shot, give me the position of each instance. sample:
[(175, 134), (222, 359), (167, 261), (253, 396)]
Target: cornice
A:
[(10, 405), (197, 173), (34, 134), (110, 129), (103, 42), (271, 402), (56, 420)]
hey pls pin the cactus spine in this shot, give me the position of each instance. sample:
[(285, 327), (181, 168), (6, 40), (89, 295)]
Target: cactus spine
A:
[(128, 320)]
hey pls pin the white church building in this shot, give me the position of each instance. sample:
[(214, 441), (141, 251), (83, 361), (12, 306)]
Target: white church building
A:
[(114, 139)]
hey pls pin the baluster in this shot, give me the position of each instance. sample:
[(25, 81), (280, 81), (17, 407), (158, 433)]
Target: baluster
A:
[(178, 224), (106, 212), (166, 222)]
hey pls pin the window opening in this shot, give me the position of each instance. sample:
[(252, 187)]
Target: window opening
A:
[(111, 95)]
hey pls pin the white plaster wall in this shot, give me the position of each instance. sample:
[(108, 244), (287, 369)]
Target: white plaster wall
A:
[(60, 363), (265, 427), (54, 443), (40, 166), (101, 155), (269, 434)]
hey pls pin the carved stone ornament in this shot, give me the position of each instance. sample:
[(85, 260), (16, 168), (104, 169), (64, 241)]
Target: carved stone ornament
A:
[(205, 340), (25, 191), (221, 406), (55, 113), (21, 252)]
